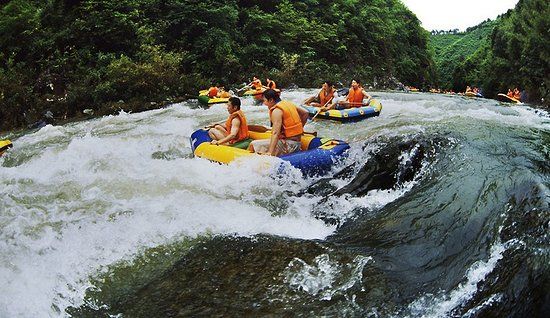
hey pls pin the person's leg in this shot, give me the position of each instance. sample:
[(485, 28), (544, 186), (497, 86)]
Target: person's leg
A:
[(287, 146), (216, 133), (260, 145)]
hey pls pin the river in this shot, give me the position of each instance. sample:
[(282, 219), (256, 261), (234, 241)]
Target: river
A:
[(441, 209)]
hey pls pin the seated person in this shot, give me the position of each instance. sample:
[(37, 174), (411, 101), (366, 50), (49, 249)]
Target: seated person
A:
[(517, 94), (256, 83), (510, 93), (355, 97), (213, 92), (222, 93), (468, 89), (324, 97), (287, 128), (236, 127), (270, 84)]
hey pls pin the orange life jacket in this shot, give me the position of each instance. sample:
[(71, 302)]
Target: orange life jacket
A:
[(272, 84), (257, 84), (212, 92), (355, 96), (324, 97), (292, 124), (225, 94), (510, 94), (243, 129)]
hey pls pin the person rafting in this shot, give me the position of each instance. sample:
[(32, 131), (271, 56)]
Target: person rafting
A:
[(270, 84), (213, 92), (355, 97), (222, 93), (236, 127), (256, 83), (510, 93), (324, 97), (517, 94), (287, 122)]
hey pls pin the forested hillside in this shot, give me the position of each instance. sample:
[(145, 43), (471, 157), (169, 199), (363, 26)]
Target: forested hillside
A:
[(70, 55), (452, 48), (514, 54)]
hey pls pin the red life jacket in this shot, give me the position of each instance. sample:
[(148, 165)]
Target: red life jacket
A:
[(292, 124), (243, 129)]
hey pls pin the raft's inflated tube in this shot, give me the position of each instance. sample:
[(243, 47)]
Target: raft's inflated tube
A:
[(318, 155), (349, 114), (205, 100), (506, 98), (472, 94), (5, 145)]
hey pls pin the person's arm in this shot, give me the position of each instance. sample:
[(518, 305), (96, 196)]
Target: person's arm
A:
[(309, 100), (277, 121), (235, 126), (304, 115), (367, 96)]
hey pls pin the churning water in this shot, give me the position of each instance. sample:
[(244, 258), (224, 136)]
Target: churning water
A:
[(441, 209)]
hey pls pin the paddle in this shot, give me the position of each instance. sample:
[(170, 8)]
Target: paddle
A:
[(262, 129), (320, 108)]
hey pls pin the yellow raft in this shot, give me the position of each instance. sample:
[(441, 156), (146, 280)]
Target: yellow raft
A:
[(207, 101), (257, 93), (506, 98), (4, 145)]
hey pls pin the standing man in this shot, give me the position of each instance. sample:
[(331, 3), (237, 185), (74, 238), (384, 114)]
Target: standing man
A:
[(287, 128)]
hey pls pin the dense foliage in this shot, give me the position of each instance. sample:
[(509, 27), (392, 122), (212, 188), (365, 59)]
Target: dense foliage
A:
[(451, 48), (69, 55), (516, 53)]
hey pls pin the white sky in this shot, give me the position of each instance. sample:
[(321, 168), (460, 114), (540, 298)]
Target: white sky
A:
[(453, 14)]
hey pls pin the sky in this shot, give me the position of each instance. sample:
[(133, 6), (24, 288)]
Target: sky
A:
[(456, 14)]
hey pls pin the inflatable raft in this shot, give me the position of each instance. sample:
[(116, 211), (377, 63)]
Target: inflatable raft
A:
[(506, 98), (349, 114), (5, 145), (207, 101), (256, 93), (472, 94), (318, 155)]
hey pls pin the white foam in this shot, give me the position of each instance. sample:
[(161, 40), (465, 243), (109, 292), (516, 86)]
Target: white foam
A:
[(99, 196), (441, 305), (324, 278)]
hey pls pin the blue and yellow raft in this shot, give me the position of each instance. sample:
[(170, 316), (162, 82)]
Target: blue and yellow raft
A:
[(349, 114), (207, 101), (4, 145), (318, 155)]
